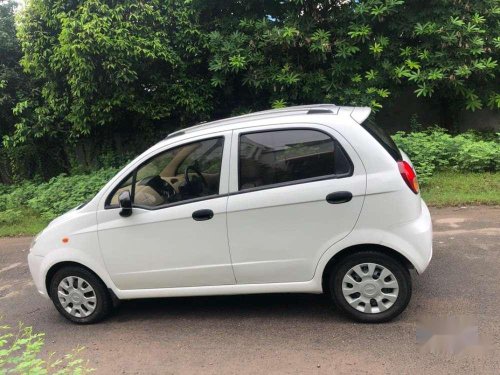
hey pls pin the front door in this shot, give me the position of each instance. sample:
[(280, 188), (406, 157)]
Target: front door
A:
[(177, 233), (280, 221)]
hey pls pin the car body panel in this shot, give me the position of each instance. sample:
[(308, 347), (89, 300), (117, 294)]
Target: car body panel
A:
[(165, 247), (268, 253), (295, 224)]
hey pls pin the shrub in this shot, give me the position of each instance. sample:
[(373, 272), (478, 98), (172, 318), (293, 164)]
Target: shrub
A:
[(435, 150), (54, 197), (430, 150), (477, 156), (62, 193), (10, 216), (20, 354)]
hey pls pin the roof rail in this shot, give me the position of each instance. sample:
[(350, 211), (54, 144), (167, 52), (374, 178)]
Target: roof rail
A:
[(175, 134), (316, 111), (304, 109)]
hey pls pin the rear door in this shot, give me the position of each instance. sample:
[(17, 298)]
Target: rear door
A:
[(294, 191)]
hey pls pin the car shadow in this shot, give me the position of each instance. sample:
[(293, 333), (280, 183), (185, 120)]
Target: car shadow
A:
[(267, 306)]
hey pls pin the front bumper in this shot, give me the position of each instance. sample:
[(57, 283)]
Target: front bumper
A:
[(35, 265)]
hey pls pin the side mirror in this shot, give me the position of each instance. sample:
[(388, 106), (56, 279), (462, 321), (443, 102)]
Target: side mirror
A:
[(125, 203)]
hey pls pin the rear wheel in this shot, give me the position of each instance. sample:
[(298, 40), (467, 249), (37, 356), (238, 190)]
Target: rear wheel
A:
[(370, 286), (79, 295)]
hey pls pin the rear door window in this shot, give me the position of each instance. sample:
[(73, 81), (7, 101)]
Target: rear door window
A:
[(284, 156)]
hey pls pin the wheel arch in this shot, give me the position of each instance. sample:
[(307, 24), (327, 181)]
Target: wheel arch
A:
[(57, 266), (358, 248)]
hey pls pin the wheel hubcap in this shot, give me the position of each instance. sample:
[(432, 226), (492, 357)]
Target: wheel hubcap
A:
[(370, 288), (76, 296)]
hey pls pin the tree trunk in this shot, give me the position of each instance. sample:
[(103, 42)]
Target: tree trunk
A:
[(447, 116), (5, 172)]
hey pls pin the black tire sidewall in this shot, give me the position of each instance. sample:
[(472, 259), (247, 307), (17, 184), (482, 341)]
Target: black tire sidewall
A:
[(103, 302), (399, 271)]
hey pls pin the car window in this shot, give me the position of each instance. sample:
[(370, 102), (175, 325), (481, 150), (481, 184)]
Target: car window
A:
[(383, 138), (274, 157), (184, 172), (207, 156)]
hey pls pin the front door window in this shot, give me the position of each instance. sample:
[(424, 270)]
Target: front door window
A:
[(185, 172)]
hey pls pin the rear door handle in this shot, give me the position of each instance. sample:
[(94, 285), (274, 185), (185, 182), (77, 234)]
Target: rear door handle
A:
[(339, 197), (202, 215)]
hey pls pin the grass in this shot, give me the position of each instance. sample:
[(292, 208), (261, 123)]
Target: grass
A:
[(459, 189), (27, 223), (443, 189)]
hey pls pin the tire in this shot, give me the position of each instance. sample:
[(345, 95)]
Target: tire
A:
[(386, 299), (87, 305)]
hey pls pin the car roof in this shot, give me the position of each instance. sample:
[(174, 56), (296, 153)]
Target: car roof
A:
[(292, 114)]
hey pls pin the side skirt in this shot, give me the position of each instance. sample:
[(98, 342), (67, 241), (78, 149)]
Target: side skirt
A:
[(312, 287)]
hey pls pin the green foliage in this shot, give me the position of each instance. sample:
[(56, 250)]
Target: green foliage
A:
[(450, 188), (54, 197), (12, 80), (436, 150), (102, 74), (20, 354), (25, 208), (303, 52), (457, 51), (477, 156), (10, 216), (99, 62), (27, 222), (10, 71)]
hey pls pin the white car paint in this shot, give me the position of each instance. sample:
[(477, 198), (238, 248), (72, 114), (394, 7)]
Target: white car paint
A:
[(293, 223), (170, 249), (265, 241)]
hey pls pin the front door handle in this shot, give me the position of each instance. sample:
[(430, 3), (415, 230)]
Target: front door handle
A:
[(202, 215), (339, 197)]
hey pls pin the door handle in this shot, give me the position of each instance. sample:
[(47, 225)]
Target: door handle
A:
[(202, 215), (339, 197)]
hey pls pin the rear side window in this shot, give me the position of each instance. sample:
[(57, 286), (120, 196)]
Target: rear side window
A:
[(282, 156), (383, 138)]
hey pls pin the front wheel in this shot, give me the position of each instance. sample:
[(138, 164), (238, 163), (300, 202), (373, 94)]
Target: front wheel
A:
[(370, 286), (79, 295)]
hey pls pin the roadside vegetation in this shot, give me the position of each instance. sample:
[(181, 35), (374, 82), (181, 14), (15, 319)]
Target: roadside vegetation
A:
[(27, 208), (20, 353), (434, 150), (85, 86), (452, 170), (461, 189), (81, 79)]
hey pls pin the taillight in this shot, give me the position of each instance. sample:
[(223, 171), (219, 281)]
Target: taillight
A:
[(408, 175)]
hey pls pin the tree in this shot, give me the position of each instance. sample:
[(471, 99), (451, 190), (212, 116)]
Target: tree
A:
[(115, 63), (449, 50), (108, 73), (357, 52), (11, 78), (33, 156)]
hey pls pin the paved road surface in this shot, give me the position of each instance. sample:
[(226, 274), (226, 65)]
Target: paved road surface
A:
[(285, 333)]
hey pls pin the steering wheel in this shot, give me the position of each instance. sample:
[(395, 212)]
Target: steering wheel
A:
[(197, 171), (159, 185)]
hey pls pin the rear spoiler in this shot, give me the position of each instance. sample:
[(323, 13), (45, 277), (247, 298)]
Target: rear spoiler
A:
[(360, 114)]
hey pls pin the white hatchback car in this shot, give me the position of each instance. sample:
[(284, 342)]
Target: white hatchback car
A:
[(307, 199)]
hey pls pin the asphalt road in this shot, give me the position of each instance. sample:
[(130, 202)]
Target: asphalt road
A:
[(288, 333)]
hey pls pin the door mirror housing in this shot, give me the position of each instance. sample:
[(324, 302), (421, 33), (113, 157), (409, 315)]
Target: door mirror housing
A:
[(125, 203)]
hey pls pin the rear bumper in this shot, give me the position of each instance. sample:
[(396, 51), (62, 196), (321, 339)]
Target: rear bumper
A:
[(418, 237), (35, 265)]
